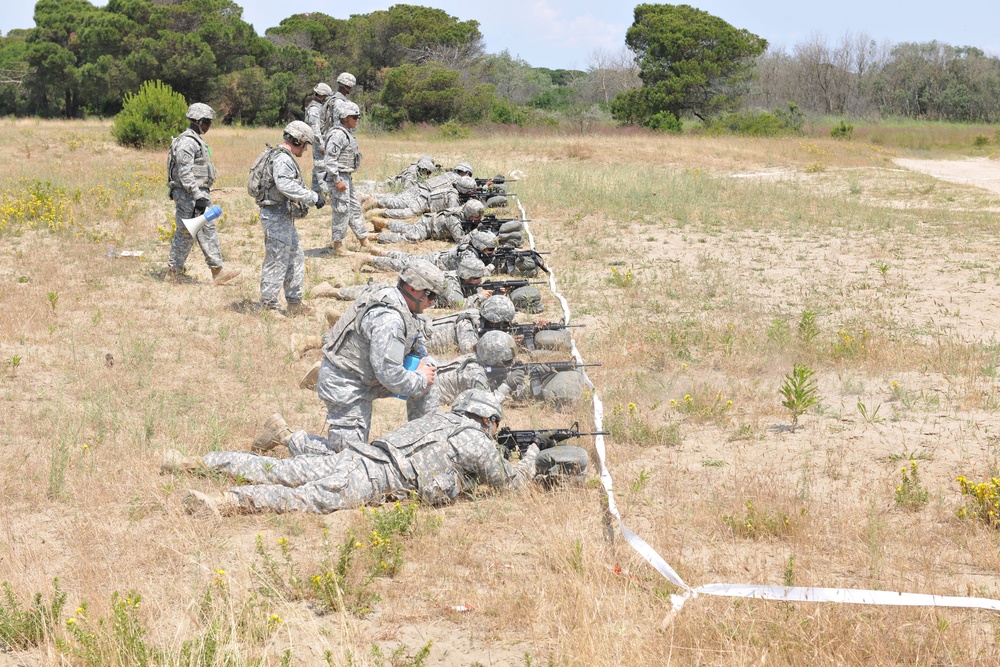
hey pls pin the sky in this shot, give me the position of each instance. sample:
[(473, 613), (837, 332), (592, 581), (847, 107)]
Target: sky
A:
[(561, 34)]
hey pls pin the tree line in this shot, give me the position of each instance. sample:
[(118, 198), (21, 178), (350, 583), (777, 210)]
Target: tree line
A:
[(418, 64)]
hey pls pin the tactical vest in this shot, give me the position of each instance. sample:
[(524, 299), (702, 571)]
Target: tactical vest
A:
[(349, 159), (271, 195), (347, 349), (437, 187), (202, 169)]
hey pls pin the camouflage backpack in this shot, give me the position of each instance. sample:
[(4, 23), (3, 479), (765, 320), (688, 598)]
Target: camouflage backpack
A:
[(261, 174)]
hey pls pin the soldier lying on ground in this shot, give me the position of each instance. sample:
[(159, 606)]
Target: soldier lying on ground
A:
[(438, 456), (447, 225)]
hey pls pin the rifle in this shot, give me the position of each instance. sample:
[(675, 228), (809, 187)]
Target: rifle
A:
[(488, 223), (504, 258), (484, 195), (520, 440), (527, 331), (505, 286), (496, 180)]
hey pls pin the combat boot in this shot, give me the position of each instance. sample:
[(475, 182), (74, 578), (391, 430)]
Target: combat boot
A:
[(379, 223), (338, 250), (174, 461), (365, 244), (310, 379), (221, 275), (274, 433), (368, 203), (177, 277), (324, 289), (306, 343), (374, 213), (332, 317), (296, 308), (359, 261), (205, 506)]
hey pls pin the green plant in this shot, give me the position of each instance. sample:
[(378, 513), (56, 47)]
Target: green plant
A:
[(640, 481), (842, 131), (799, 392), (664, 121), (620, 278), (150, 117), (980, 141), (576, 558), (453, 130), (808, 329), (53, 300), (22, 628), (14, 362), (758, 523), (119, 639), (869, 417), (883, 268), (789, 574), (910, 493)]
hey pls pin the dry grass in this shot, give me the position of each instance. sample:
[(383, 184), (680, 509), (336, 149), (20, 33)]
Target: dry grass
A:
[(898, 270)]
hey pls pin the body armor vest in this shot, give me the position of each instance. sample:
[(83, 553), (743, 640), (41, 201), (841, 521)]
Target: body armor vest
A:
[(202, 169)]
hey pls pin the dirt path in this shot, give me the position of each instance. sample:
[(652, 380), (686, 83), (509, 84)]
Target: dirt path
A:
[(981, 172)]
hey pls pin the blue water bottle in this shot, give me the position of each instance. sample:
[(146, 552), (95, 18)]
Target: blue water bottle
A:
[(410, 363)]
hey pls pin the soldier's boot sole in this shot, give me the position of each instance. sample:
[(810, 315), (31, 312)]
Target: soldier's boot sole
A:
[(310, 379), (173, 461), (275, 432)]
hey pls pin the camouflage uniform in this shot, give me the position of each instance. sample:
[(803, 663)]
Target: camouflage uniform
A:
[(313, 119), (438, 456), (466, 372), (444, 226), (363, 360), (452, 296), (464, 328), (411, 176), (284, 260), (190, 175), (341, 158), (437, 193)]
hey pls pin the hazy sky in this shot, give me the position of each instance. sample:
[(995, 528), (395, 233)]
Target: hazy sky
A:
[(561, 33)]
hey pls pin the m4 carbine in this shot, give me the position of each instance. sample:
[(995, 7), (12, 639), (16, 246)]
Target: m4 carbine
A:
[(520, 440)]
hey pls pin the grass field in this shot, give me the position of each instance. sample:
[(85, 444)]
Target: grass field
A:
[(705, 268)]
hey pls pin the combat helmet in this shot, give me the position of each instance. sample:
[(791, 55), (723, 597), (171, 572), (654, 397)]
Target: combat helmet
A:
[(347, 80), (345, 109), (299, 131), (478, 403), (470, 267), (421, 274), (200, 111), (323, 89), (497, 309), (473, 209), (495, 348)]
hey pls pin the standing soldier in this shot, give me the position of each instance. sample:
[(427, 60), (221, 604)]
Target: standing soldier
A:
[(190, 174), (314, 112), (341, 159), (283, 198), (330, 117)]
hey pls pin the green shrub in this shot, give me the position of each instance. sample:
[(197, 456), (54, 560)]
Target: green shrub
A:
[(665, 122), (150, 117), (758, 124), (842, 131), (980, 141), (508, 113)]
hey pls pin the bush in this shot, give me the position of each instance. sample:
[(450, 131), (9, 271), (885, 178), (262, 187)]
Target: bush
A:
[(665, 121), (842, 131), (508, 113), (150, 117)]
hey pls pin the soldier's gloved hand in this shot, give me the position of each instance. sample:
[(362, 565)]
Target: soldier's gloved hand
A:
[(544, 440), (515, 377), (320, 200), (201, 205)]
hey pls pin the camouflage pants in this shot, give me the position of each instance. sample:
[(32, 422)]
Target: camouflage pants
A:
[(318, 173), (284, 266), (404, 231), (349, 420), (346, 211), (403, 204), (352, 481), (180, 247), (255, 469)]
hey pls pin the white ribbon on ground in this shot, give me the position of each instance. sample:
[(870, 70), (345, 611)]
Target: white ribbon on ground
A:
[(785, 593)]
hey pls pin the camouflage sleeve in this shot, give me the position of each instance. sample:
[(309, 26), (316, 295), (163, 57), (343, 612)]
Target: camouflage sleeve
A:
[(187, 151), (453, 223), (408, 177), (289, 182), (313, 121), (385, 330), (478, 457), (466, 334)]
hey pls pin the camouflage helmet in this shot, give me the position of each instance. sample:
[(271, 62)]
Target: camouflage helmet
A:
[(470, 267), (425, 163), (473, 209), (346, 109), (200, 111), (463, 166), (495, 348), (299, 131), (347, 80), (421, 274), (481, 240), (478, 403), (323, 89), (497, 309), (465, 184)]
